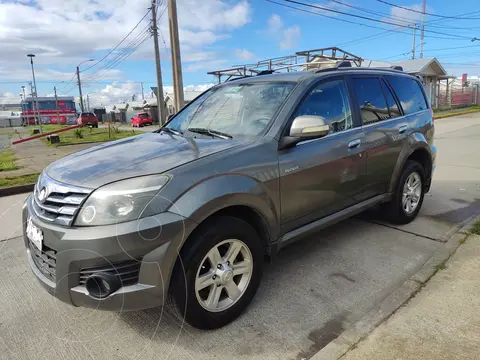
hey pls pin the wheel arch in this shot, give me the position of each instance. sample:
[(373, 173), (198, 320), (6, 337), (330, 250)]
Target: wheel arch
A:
[(420, 153)]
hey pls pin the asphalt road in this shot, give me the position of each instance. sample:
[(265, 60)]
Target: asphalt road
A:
[(314, 289)]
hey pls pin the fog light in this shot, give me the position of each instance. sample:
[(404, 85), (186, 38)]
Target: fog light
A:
[(102, 285)]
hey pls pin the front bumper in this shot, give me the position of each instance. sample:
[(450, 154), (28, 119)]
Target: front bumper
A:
[(154, 241)]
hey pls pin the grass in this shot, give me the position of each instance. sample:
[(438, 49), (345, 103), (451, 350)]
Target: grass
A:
[(476, 228), (87, 134), (471, 109), (7, 160), (18, 180)]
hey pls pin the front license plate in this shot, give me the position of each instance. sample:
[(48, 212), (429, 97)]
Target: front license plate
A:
[(34, 233)]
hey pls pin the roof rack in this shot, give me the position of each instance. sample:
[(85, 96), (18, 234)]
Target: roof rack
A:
[(314, 59)]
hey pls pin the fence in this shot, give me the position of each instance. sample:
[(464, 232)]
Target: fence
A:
[(457, 96)]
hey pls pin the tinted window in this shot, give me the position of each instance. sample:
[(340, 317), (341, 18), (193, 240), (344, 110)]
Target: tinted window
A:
[(330, 101), (409, 93), (392, 104), (371, 100)]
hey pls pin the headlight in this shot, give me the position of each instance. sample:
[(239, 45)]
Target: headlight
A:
[(120, 201)]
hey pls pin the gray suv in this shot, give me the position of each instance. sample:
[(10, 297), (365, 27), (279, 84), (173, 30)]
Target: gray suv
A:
[(189, 212)]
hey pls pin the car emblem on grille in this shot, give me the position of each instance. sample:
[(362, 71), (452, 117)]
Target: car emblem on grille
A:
[(42, 195)]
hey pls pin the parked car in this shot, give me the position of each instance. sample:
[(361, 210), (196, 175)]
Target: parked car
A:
[(141, 119), (87, 119), (248, 167)]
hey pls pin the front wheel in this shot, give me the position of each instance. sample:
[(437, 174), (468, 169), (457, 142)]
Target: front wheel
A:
[(222, 268), (409, 193)]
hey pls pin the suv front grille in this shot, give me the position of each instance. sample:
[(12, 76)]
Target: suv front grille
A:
[(44, 259), (126, 271), (56, 202)]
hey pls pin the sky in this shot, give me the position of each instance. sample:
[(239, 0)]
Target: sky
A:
[(214, 34)]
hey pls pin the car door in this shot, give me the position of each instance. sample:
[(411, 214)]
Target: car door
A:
[(385, 129), (321, 176)]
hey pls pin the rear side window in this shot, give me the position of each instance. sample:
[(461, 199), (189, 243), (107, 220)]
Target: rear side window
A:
[(370, 100), (330, 101), (409, 93)]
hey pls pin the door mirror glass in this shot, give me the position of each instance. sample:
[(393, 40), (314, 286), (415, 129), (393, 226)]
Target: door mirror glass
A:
[(309, 126)]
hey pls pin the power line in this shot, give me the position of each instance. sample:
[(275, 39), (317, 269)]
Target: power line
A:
[(371, 19), (397, 17), (356, 23), (429, 14), (126, 36), (132, 45)]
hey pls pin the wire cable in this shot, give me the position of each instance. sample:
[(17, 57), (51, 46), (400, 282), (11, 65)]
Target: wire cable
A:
[(121, 41), (429, 14)]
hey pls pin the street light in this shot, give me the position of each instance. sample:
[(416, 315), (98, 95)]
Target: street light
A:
[(80, 84), (35, 100)]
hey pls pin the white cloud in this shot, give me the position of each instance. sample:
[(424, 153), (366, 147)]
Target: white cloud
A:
[(65, 32), (244, 54), (275, 24), (287, 37), (206, 65), (291, 36), (122, 92)]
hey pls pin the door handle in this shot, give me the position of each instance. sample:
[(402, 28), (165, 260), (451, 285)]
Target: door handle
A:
[(402, 128), (354, 143)]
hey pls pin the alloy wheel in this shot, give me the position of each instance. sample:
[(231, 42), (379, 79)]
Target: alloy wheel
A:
[(223, 275)]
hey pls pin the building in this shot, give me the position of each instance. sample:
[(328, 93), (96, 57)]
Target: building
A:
[(431, 72), (47, 107)]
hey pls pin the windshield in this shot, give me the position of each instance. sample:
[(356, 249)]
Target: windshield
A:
[(236, 110)]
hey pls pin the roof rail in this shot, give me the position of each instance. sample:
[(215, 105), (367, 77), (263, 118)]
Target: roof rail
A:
[(396, 67)]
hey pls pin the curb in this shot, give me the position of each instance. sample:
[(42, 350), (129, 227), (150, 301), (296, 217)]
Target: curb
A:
[(444, 116), (359, 330), (14, 190)]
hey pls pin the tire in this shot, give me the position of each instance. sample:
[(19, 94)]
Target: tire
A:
[(191, 305), (397, 211)]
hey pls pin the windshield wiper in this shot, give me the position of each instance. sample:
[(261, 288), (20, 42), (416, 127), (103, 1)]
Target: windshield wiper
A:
[(213, 133), (171, 131)]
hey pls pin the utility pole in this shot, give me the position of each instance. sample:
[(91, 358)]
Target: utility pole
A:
[(424, 7), (56, 104), (24, 105), (35, 99), (143, 95), (80, 90), (88, 102), (176, 58), (36, 112), (413, 41), (160, 99)]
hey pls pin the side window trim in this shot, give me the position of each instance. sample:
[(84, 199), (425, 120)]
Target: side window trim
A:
[(357, 108), (385, 88)]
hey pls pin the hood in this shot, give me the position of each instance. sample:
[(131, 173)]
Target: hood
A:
[(151, 153)]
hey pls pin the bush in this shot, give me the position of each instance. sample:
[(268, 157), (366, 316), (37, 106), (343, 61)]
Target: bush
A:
[(79, 133)]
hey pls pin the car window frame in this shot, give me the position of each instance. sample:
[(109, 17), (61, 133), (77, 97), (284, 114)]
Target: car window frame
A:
[(421, 88), (242, 82), (306, 92), (388, 87), (357, 108)]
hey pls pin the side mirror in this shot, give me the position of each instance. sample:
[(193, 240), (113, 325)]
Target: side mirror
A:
[(305, 127), (308, 126)]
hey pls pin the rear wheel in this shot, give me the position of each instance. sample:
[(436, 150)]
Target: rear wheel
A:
[(408, 197), (222, 268)]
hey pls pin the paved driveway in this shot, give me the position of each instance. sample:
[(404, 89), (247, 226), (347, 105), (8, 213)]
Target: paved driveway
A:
[(314, 289)]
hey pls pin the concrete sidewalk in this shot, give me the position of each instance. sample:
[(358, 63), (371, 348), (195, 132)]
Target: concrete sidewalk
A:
[(440, 322)]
